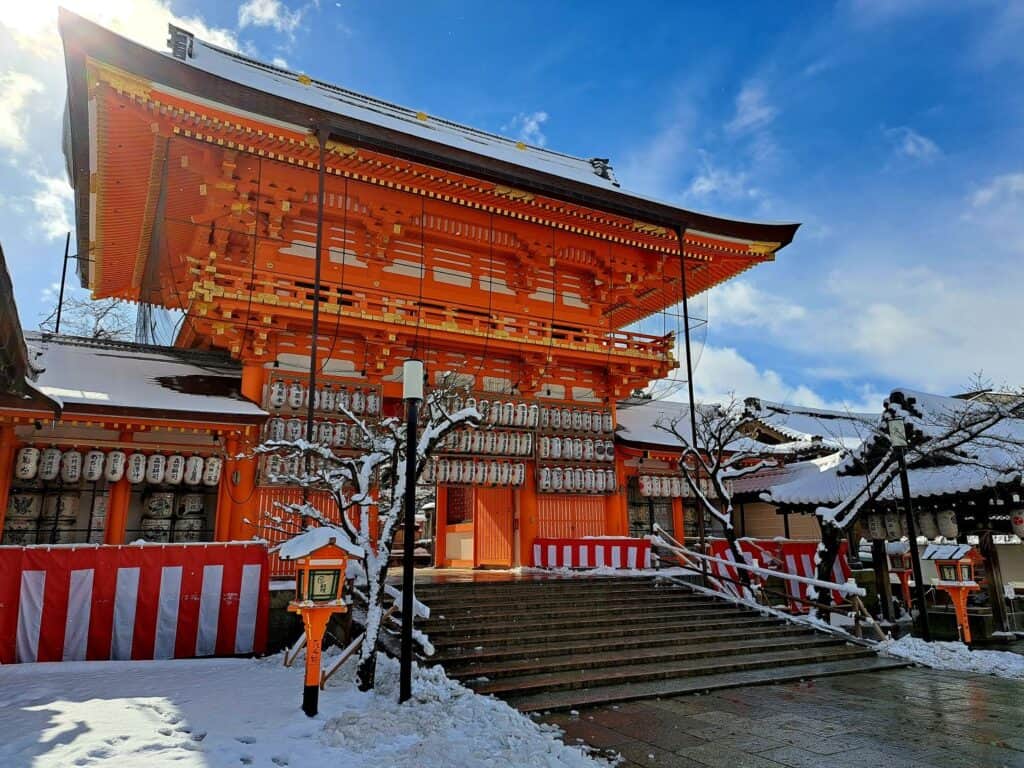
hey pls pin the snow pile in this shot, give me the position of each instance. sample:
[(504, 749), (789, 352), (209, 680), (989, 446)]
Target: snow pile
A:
[(955, 657), (222, 712)]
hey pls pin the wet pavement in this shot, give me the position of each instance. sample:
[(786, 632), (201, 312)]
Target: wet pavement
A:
[(905, 718)]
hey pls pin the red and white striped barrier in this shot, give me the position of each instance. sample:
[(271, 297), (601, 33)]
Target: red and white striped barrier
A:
[(132, 602), (592, 553), (798, 557)]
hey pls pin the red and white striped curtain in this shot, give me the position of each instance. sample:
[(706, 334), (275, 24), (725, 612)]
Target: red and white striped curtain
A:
[(132, 602), (592, 553)]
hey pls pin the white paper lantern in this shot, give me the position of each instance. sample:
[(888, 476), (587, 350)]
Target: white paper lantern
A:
[(599, 480), (355, 436), (577, 419), (927, 526), (193, 470), (610, 483), (577, 448), (136, 468), (278, 394), (586, 421), (429, 471), (175, 471), (893, 530), (467, 471), (293, 429), (71, 466), (27, 464), (296, 395), (567, 420), (1017, 522), (609, 450), (479, 473), (606, 422), (525, 443), (948, 526), (49, 464), (494, 413), (545, 478), (273, 467), (508, 414), (598, 448), (325, 433), (489, 442), (114, 467), (544, 417), (544, 446), (568, 480), (372, 403), (501, 443), (555, 418), (275, 429), (211, 470), (156, 464), (442, 471), (343, 400), (533, 417), (327, 399), (92, 466), (493, 472), (340, 436), (476, 441), (676, 486), (522, 414), (588, 450), (556, 478), (483, 407), (518, 473), (556, 448), (588, 480), (358, 401)]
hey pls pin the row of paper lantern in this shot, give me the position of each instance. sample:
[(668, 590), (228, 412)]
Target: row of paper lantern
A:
[(663, 485), (576, 480), (532, 416), (331, 433), (72, 466), (892, 526), (294, 395), (488, 441), (576, 449), (467, 471)]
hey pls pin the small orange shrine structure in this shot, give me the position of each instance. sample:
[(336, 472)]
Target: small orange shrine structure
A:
[(213, 185)]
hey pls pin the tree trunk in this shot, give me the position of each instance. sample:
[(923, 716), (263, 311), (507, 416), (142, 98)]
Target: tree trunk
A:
[(367, 669), (828, 551), (994, 580), (880, 563)]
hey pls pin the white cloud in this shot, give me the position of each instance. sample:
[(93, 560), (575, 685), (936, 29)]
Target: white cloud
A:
[(1007, 188), (277, 61), (16, 90), (34, 24), (909, 143), (715, 181), (527, 127), (740, 303), (269, 13), (753, 112), (52, 201), (722, 371)]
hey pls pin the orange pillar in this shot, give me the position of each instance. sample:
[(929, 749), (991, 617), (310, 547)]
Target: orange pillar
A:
[(225, 506), (527, 517), (242, 476), (440, 525), (616, 509), (6, 467), (119, 496), (678, 526)]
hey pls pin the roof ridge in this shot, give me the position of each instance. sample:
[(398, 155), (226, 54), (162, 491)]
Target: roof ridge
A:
[(129, 346)]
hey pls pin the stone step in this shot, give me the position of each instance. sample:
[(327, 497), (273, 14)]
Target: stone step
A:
[(536, 597), (632, 608), (440, 628), (544, 701), (636, 656), (540, 586), (524, 605), (455, 660), (639, 673), (634, 629)]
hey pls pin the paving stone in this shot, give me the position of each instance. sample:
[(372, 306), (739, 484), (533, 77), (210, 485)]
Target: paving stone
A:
[(650, 756), (719, 756)]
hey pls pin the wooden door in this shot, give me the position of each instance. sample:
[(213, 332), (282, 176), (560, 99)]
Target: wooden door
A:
[(492, 527)]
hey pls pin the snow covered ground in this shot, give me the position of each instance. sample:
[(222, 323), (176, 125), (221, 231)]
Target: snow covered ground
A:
[(955, 656), (239, 712)]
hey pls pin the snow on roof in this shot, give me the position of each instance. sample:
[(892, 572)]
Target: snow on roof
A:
[(77, 371), (314, 93), (771, 477), (313, 539), (841, 429), (945, 551)]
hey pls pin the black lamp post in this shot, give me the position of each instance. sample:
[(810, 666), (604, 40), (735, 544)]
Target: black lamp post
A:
[(412, 393), (898, 439)]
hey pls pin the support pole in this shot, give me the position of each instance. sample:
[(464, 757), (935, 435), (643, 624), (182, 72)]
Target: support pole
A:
[(883, 586), (63, 280), (680, 234), (412, 393), (908, 506)]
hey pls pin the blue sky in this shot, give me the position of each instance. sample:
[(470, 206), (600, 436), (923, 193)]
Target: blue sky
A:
[(890, 128)]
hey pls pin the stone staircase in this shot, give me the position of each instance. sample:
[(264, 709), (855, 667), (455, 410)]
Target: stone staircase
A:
[(549, 644)]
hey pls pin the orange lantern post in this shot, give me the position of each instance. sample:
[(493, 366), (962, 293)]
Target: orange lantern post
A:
[(955, 565), (900, 564), (320, 564)]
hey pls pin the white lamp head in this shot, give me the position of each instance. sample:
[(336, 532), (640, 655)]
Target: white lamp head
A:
[(412, 380)]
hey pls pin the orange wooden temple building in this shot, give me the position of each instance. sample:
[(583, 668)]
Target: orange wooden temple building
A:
[(209, 183)]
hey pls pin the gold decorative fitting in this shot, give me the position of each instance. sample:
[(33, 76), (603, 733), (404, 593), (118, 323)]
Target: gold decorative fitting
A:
[(305, 79), (763, 248), (512, 193), (421, 116), (650, 229), (340, 149), (121, 81), (520, 145)]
